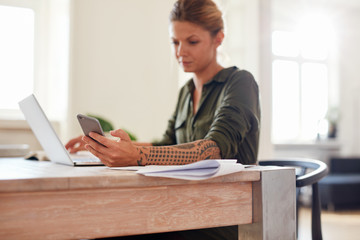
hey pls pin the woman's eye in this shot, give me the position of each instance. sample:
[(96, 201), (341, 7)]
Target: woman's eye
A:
[(175, 42), (194, 42)]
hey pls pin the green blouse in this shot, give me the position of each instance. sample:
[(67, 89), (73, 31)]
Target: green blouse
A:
[(228, 113)]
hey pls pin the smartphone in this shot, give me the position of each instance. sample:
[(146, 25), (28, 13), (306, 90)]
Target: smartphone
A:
[(90, 124)]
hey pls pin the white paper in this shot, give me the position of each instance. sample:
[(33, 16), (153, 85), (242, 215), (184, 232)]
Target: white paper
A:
[(129, 168), (195, 171)]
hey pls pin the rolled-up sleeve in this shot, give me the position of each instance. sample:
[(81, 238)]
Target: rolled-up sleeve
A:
[(236, 122)]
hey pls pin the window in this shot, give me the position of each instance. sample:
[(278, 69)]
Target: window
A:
[(34, 55), (17, 55), (301, 79)]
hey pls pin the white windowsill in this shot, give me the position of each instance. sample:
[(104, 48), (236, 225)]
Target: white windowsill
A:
[(18, 124), (13, 124), (326, 144)]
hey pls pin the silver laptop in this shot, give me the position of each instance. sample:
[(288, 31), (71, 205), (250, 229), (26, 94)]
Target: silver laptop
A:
[(48, 138)]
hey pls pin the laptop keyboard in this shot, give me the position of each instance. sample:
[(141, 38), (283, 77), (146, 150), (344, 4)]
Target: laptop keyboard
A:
[(84, 158), (90, 160)]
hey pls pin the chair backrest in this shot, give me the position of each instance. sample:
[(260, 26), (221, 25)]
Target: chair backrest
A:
[(319, 170)]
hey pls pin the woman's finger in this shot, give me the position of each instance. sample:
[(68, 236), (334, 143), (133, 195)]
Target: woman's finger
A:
[(95, 144), (120, 134), (97, 154), (73, 142), (77, 149), (101, 139)]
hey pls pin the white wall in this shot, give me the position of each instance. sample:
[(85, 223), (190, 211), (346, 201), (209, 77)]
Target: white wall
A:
[(121, 65), (349, 76)]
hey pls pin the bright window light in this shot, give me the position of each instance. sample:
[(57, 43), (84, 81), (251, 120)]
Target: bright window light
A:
[(285, 44), (16, 55), (314, 98), (286, 107), (316, 35), (300, 79)]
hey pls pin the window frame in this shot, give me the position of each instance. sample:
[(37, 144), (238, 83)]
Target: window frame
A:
[(300, 60), (35, 6), (51, 56)]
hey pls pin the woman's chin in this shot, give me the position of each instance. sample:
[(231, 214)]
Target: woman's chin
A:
[(187, 69)]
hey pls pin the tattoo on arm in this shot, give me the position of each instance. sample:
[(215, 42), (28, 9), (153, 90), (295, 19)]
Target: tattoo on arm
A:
[(178, 154), (143, 156), (184, 146)]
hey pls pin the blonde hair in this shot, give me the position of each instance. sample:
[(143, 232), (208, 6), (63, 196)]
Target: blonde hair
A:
[(204, 13)]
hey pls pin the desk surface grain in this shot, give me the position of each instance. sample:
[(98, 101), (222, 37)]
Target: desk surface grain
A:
[(45, 200), (19, 175)]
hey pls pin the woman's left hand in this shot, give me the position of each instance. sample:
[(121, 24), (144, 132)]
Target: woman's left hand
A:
[(119, 153)]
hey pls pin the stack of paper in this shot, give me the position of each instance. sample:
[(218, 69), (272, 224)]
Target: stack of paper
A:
[(195, 171)]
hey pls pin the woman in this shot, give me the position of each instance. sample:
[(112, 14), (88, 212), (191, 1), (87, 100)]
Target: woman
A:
[(217, 114)]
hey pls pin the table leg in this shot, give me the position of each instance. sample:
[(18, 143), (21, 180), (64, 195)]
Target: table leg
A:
[(274, 207)]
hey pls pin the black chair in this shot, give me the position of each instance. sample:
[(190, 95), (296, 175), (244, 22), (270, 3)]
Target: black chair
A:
[(305, 178)]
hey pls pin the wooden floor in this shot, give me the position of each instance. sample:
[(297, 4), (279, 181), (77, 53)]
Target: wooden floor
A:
[(344, 225)]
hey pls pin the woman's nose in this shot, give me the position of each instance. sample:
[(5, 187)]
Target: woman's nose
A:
[(181, 51)]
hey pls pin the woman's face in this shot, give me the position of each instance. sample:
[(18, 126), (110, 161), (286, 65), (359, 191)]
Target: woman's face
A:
[(194, 47)]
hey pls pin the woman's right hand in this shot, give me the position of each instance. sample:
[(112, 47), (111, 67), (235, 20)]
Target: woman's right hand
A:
[(75, 145)]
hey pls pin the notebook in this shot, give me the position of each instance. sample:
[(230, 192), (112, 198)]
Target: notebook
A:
[(48, 138)]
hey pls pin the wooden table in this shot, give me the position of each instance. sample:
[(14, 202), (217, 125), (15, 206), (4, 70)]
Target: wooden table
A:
[(44, 200)]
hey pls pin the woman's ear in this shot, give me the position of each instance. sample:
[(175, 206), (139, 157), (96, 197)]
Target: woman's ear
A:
[(219, 38)]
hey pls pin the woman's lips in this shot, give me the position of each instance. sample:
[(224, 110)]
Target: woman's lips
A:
[(185, 63)]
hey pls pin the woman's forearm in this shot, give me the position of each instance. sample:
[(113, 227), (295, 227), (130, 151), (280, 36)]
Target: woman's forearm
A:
[(142, 144), (178, 154)]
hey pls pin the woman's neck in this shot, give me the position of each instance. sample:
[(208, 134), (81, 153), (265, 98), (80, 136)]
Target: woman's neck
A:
[(200, 78)]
